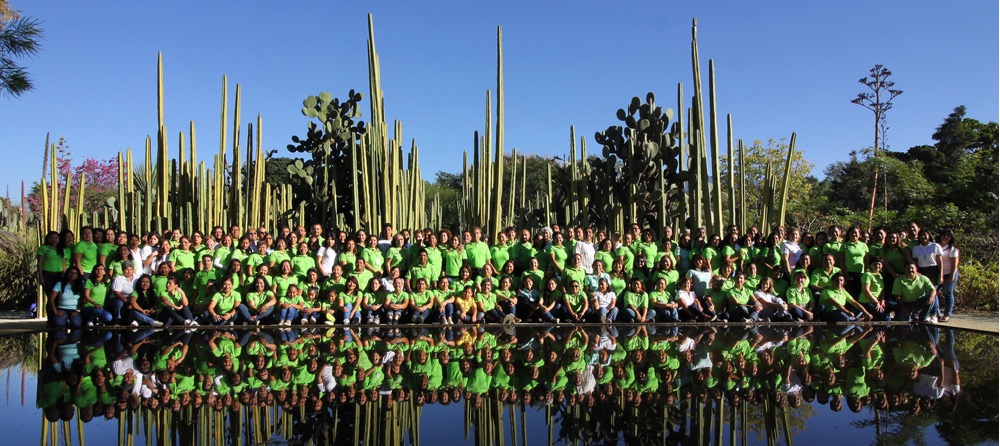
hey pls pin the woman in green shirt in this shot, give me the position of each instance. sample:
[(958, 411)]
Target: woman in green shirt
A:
[(348, 256), (834, 300), (222, 308), (547, 301), (557, 253), (285, 280), (604, 254), (799, 297), (350, 301), (742, 307), (174, 305), (106, 248), (637, 304), (182, 258), (872, 292), (95, 291), (259, 302), (662, 301), (51, 262), (279, 255), (421, 302)]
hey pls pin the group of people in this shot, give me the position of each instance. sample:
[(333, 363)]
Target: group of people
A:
[(107, 373), (308, 276)]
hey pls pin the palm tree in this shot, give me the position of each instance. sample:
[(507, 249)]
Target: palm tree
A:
[(19, 38)]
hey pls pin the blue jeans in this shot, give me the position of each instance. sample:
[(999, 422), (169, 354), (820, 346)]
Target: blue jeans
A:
[(74, 320), (611, 314), (288, 314), (179, 317), (425, 315), (246, 316), (742, 313), (140, 318), (631, 316), (93, 314), (890, 306), (114, 306), (919, 309), (667, 315), (946, 293)]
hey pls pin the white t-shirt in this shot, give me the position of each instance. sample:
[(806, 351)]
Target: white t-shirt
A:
[(145, 253), (124, 285), (948, 256), (604, 299), (328, 258), (686, 298), (586, 251), (924, 254), (793, 251)]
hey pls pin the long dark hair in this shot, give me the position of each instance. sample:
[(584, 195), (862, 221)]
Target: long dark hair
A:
[(76, 285), (145, 298), (61, 247)]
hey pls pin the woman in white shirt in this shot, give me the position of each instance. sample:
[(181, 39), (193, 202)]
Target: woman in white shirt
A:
[(604, 300), (949, 274), (690, 308), (326, 256), (772, 307), (791, 251), (927, 254)]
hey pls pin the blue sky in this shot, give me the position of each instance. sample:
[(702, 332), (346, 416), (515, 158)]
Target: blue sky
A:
[(781, 67)]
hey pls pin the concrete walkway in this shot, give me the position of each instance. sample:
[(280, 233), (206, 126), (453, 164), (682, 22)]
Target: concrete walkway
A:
[(984, 322)]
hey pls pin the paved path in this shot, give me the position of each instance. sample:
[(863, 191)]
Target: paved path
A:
[(12, 322)]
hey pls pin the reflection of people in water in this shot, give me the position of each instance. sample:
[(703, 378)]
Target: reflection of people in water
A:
[(897, 368)]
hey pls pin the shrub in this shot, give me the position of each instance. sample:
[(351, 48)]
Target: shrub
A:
[(977, 286), (18, 270)]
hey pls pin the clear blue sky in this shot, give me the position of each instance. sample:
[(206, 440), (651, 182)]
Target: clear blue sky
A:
[(781, 67)]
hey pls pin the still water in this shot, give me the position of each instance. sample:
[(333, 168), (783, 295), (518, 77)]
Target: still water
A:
[(495, 385)]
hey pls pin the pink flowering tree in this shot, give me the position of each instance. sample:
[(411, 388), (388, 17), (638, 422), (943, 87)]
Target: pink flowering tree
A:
[(101, 184)]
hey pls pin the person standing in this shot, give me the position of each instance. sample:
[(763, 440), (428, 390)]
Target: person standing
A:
[(949, 273), (585, 249)]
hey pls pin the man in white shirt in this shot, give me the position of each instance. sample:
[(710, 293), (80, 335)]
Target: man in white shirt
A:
[(585, 248)]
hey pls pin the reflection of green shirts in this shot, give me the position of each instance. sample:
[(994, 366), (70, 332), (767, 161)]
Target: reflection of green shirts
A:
[(52, 262), (88, 255), (911, 290), (875, 285)]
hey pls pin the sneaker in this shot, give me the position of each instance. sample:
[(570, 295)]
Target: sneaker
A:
[(604, 318), (945, 319), (245, 323), (329, 322), (134, 323), (508, 319), (377, 320), (347, 321), (90, 324), (556, 320), (257, 322), (312, 319), (157, 324), (303, 321)]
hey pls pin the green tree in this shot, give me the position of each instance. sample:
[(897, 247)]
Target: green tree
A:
[(19, 38), (755, 161)]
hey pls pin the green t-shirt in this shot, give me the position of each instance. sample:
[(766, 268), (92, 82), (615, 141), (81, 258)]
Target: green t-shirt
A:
[(575, 301), (741, 296), (821, 279), (106, 250), (478, 254), (875, 285), (638, 300), (661, 297), (334, 284), (536, 275), (159, 284), (98, 292), (629, 257), (799, 298), (223, 303), (559, 252), (88, 255), (839, 296), (719, 298), (605, 258), (418, 272), (174, 298), (522, 254), (647, 250), (373, 257), (854, 256), (569, 275), (52, 262), (182, 259), (420, 299), (301, 264), (282, 283), (500, 255), (452, 261), (911, 290), (255, 299), (488, 301), (276, 257)]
